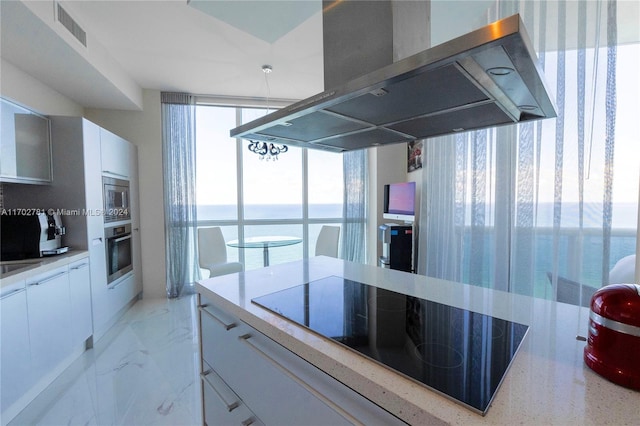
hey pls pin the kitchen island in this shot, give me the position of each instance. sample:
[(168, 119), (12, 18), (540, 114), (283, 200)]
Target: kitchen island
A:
[(547, 382)]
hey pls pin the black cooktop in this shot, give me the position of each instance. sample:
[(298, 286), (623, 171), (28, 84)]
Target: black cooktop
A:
[(461, 354)]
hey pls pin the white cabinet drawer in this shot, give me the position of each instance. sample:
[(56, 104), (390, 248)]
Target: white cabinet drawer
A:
[(265, 375), (230, 348), (221, 405), (215, 337), (273, 373)]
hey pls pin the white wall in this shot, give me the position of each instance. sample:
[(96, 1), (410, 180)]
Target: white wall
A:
[(38, 19), (144, 129), (23, 89)]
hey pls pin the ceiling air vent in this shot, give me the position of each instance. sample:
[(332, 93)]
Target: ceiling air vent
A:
[(67, 21)]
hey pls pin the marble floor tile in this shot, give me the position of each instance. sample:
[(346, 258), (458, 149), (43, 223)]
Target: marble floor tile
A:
[(144, 371)]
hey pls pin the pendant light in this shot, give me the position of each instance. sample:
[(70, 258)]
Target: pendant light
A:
[(267, 150)]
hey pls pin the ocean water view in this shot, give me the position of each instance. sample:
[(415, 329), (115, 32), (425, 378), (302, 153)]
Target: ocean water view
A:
[(253, 258), (579, 253), (624, 215), (268, 211)]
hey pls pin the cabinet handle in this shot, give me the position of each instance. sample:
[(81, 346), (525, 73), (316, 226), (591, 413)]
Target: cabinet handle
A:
[(84, 265), (48, 279), (247, 339), (14, 291), (227, 326), (248, 422), (115, 173), (230, 405), (122, 280)]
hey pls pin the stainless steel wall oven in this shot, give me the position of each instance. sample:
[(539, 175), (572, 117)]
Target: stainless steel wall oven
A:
[(118, 248)]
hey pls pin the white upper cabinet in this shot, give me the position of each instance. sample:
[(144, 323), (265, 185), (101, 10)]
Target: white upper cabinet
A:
[(25, 145), (115, 154)]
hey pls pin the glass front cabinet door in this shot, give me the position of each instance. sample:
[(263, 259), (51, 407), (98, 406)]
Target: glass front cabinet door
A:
[(25, 145)]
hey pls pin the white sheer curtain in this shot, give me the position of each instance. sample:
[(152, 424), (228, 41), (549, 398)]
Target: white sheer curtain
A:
[(179, 171), (528, 208), (355, 205)]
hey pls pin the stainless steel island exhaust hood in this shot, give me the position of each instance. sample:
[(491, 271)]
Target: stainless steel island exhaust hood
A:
[(488, 77)]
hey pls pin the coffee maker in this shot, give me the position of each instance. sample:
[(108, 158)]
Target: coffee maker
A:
[(27, 236)]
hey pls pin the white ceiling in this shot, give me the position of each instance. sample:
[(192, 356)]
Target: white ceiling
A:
[(207, 47), (166, 45)]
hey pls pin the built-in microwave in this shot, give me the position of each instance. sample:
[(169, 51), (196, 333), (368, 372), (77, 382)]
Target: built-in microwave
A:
[(116, 199)]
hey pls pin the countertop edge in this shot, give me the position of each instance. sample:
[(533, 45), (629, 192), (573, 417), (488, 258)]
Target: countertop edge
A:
[(41, 265)]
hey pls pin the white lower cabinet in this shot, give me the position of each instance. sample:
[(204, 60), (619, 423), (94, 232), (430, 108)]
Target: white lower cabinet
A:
[(45, 321), (221, 405), (122, 292), (276, 386), (15, 372), (49, 320), (80, 298)]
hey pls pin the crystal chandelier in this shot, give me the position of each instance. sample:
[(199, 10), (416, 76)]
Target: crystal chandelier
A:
[(267, 150)]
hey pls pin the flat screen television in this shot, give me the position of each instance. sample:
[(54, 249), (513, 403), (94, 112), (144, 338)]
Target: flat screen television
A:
[(400, 201)]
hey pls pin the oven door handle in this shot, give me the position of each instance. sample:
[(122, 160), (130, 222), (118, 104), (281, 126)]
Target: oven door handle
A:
[(119, 240)]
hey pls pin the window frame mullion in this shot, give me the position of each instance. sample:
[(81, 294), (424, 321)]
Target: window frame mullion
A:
[(240, 186)]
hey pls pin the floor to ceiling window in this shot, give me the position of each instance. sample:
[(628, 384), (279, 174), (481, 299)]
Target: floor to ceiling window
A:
[(250, 197), (544, 209)]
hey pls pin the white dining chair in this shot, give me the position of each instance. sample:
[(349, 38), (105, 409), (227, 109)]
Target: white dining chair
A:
[(327, 244), (212, 253), (624, 271)]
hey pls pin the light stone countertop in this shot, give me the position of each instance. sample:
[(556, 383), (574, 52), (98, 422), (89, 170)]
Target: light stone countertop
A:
[(547, 383), (38, 266)]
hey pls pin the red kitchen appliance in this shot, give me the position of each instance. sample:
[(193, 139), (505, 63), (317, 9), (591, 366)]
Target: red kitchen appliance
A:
[(613, 346)]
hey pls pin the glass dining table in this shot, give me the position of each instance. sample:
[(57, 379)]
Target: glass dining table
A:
[(265, 242)]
